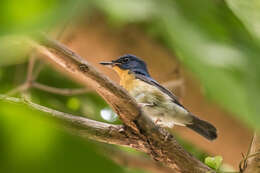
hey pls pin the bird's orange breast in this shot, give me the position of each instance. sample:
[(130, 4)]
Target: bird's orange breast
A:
[(127, 80)]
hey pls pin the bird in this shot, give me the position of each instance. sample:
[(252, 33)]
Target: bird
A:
[(159, 103)]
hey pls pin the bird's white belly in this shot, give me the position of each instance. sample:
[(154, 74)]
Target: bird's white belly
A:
[(159, 106)]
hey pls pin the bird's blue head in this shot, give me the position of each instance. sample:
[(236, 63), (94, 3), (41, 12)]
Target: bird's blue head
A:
[(129, 63)]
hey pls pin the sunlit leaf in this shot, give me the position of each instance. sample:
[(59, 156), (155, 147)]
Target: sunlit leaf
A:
[(248, 12), (214, 162), (73, 103)]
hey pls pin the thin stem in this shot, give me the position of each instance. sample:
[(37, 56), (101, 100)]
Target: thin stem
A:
[(18, 89), (59, 91), (30, 68), (37, 70)]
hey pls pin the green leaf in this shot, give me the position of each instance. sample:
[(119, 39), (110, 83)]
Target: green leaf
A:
[(13, 50), (28, 15), (73, 103), (248, 12), (214, 162)]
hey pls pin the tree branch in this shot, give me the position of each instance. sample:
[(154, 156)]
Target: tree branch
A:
[(159, 144), (78, 68), (86, 128), (253, 165)]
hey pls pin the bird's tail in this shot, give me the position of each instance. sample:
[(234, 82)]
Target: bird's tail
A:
[(203, 128)]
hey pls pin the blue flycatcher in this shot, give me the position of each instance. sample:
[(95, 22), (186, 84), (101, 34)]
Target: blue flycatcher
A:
[(159, 103)]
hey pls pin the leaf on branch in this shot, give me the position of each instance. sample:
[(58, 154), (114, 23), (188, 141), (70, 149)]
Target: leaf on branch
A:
[(214, 162)]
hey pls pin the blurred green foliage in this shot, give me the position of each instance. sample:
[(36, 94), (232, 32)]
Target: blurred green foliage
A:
[(220, 47), (248, 12), (73, 103), (7, 53), (27, 15), (32, 143), (218, 41)]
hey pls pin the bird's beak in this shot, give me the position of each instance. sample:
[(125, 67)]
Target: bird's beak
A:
[(110, 64), (107, 63)]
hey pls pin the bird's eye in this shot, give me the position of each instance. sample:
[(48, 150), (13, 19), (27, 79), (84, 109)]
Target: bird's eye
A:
[(125, 60)]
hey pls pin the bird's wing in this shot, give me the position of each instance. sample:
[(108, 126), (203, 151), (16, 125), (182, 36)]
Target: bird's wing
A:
[(153, 82)]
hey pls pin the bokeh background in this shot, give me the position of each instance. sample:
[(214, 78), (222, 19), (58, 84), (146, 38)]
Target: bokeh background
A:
[(205, 51)]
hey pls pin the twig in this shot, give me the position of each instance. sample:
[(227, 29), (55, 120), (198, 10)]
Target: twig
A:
[(243, 162), (86, 128), (252, 161), (37, 71), (31, 64), (30, 82), (160, 145), (18, 89), (29, 76), (60, 91)]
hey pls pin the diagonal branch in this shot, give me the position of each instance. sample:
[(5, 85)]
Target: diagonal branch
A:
[(159, 144), (79, 69), (86, 128)]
